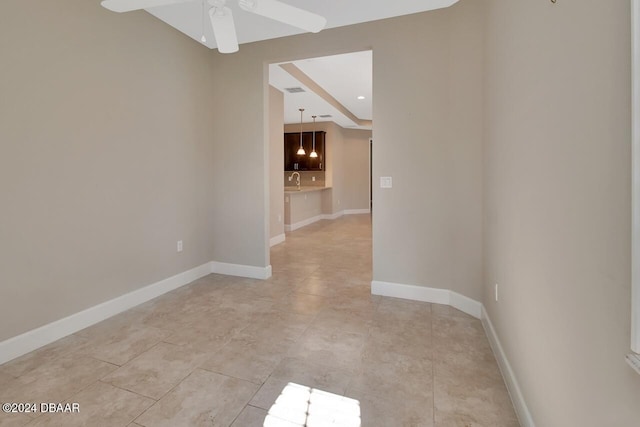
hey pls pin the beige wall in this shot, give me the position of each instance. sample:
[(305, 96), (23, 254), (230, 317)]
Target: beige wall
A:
[(105, 157), (356, 171), (558, 225), (276, 162), (428, 137), (240, 159)]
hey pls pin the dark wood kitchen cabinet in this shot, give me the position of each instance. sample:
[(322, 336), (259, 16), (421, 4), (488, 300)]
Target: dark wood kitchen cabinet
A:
[(295, 162)]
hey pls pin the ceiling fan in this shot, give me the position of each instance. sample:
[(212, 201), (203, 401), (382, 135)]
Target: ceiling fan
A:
[(221, 17)]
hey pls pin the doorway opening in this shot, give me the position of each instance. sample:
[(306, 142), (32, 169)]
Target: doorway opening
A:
[(323, 106)]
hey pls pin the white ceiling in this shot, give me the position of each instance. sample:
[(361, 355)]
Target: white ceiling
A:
[(345, 77), (187, 17)]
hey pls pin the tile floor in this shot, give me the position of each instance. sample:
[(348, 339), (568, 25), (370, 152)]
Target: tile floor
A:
[(219, 351)]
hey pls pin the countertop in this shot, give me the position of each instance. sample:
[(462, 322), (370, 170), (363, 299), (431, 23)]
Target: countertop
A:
[(303, 189)]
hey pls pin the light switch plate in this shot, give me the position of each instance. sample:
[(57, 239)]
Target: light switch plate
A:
[(386, 182)]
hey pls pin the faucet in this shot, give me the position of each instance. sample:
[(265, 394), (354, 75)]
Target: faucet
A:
[(297, 178)]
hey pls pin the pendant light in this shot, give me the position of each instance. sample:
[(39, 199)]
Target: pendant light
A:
[(203, 39), (313, 150), (301, 151)]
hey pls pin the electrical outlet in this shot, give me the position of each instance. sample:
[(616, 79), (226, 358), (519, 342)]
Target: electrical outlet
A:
[(279, 218), (496, 292), (313, 178), (179, 246)]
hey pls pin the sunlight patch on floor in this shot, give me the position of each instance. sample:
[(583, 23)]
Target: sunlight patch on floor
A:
[(301, 406)]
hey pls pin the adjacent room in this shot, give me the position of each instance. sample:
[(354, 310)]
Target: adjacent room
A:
[(462, 249)]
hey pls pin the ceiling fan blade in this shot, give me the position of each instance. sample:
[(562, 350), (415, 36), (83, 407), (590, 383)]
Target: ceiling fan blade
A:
[(224, 29), (129, 5), (285, 13)]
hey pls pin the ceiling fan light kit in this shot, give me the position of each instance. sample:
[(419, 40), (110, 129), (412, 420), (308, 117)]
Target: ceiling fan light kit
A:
[(221, 16)]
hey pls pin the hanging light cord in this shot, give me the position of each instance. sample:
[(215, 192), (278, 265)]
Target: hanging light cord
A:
[(203, 39), (301, 151), (313, 150)]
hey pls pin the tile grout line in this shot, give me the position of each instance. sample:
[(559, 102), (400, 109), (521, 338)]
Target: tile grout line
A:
[(135, 420)]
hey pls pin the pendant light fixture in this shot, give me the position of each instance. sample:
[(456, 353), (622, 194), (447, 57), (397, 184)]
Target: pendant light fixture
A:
[(203, 39), (301, 151), (313, 149)]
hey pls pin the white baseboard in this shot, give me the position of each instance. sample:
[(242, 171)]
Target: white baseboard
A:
[(333, 215), (425, 294), (276, 240), (524, 416), (309, 221), (303, 223), (36, 338), (241, 270), (357, 211)]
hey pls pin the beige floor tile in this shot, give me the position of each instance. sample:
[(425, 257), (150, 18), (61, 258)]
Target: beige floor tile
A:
[(471, 392), (14, 420), (203, 399), (343, 319), (5, 379), (337, 348), (101, 405), (413, 340), (303, 372), (301, 303), (379, 410), (447, 310), (57, 380), (36, 358), (210, 333), (248, 357), (479, 408), (393, 375), (156, 371), (318, 286), (250, 417), (266, 289), (279, 324), (122, 343), (365, 305), (460, 340), (400, 309), (175, 312)]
